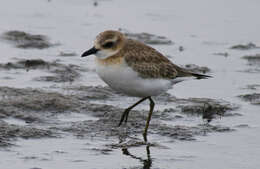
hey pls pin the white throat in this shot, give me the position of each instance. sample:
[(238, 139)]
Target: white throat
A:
[(103, 54)]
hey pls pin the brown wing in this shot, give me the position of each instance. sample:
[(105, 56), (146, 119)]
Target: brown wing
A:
[(147, 61)]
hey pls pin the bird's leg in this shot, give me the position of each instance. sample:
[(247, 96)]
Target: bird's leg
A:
[(131, 107), (148, 118), (126, 112)]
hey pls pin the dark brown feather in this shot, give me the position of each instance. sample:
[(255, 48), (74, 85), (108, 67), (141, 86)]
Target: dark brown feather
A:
[(149, 63)]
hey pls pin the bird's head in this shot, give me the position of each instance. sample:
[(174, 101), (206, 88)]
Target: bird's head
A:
[(107, 44)]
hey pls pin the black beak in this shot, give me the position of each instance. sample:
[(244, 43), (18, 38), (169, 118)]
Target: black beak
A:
[(89, 52)]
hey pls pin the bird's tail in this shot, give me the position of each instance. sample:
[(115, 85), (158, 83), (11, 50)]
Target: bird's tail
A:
[(200, 76), (182, 72)]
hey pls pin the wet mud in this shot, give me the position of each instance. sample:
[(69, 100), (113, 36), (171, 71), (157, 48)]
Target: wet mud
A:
[(95, 93), (253, 98), (245, 46), (11, 132), (197, 69), (208, 109), (68, 54), (39, 108), (62, 72), (26, 40), (225, 54), (253, 87), (147, 38), (253, 59)]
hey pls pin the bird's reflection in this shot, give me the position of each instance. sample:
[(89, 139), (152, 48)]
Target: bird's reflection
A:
[(147, 163)]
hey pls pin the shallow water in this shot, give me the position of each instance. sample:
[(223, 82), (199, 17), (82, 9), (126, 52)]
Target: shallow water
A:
[(201, 27)]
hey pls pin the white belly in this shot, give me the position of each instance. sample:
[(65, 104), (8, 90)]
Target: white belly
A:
[(123, 79)]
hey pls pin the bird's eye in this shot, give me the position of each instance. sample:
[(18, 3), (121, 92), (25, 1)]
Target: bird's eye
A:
[(108, 45)]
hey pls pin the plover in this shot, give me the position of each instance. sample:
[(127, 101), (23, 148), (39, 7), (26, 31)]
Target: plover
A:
[(135, 69)]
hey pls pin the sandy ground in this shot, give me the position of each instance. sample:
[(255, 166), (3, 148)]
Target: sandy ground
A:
[(55, 112)]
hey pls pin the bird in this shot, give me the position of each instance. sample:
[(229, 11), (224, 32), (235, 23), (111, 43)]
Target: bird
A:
[(135, 69)]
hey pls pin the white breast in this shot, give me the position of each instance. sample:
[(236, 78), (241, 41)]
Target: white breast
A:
[(123, 79)]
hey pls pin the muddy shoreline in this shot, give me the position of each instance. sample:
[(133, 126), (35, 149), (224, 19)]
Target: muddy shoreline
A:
[(39, 108), (55, 112)]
